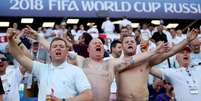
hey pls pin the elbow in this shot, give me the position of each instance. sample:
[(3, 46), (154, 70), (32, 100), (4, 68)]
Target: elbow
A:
[(85, 96), (89, 96)]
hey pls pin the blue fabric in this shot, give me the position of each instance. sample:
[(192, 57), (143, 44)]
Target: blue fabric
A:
[(24, 98)]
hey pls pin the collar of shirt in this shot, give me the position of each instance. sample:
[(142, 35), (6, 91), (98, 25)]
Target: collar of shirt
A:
[(61, 66)]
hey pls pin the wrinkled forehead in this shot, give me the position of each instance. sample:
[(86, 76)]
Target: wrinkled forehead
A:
[(182, 52), (129, 38), (58, 43), (124, 30), (94, 41)]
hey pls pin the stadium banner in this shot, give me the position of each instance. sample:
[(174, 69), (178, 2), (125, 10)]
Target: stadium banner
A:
[(163, 9)]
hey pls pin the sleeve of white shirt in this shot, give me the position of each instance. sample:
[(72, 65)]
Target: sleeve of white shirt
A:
[(81, 81), (18, 73), (37, 68), (103, 26), (167, 74)]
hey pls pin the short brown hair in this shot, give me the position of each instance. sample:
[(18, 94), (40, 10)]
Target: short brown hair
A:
[(58, 38)]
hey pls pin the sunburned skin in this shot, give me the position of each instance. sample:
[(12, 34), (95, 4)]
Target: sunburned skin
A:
[(101, 74), (132, 84), (100, 77)]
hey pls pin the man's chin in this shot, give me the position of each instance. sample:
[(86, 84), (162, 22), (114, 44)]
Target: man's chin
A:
[(99, 56), (59, 58), (130, 53)]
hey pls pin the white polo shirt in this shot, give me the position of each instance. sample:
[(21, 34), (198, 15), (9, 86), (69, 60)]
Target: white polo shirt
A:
[(66, 80), (11, 81), (181, 81), (93, 32), (125, 22), (108, 27)]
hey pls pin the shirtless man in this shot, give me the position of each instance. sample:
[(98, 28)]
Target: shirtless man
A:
[(132, 84), (101, 73)]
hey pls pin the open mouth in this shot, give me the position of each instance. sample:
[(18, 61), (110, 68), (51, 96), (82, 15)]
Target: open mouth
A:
[(98, 49), (130, 47), (58, 53), (185, 58)]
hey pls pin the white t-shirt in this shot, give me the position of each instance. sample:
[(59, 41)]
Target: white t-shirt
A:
[(65, 80), (181, 82), (79, 33), (178, 39), (11, 81), (125, 22), (108, 27), (169, 36), (195, 58), (150, 47), (93, 31), (145, 34)]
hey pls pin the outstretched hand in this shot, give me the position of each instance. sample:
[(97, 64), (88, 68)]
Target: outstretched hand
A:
[(10, 33), (191, 35), (161, 47), (28, 31)]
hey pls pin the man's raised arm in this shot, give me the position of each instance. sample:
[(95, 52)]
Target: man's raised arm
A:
[(158, 58), (34, 35), (156, 72), (16, 52), (139, 58)]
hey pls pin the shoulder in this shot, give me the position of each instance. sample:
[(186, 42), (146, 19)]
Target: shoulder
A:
[(38, 63), (37, 66), (73, 68), (196, 68), (170, 70), (10, 70)]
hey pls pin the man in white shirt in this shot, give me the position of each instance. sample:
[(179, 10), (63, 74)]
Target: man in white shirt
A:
[(108, 26), (80, 31), (11, 78), (74, 32), (196, 52), (124, 22), (145, 32), (124, 32), (179, 37), (58, 80), (185, 80), (93, 31)]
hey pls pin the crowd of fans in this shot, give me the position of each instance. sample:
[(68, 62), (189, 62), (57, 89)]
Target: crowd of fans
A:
[(38, 45)]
